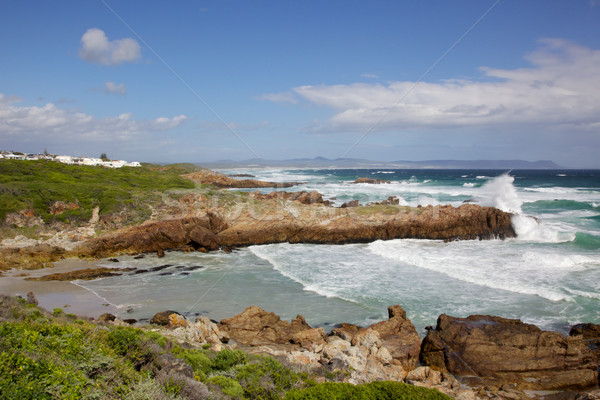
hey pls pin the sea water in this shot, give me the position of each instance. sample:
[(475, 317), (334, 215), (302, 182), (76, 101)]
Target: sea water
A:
[(549, 275)]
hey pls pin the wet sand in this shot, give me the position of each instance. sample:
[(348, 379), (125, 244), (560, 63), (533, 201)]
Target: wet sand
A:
[(51, 294)]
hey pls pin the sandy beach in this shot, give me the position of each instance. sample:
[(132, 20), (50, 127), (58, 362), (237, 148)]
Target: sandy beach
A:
[(51, 294)]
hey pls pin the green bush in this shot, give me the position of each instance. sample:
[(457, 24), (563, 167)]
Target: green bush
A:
[(265, 378), (228, 386), (226, 359), (371, 391)]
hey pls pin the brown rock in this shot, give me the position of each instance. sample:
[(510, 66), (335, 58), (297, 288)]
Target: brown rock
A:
[(255, 326), (60, 207), (310, 339), (85, 274), (154, 236), (399, 336), (352, 203), (223, 181), (370, 180), (497, 350), (163, 318), (345, 331), (31, 299), (106, 317)]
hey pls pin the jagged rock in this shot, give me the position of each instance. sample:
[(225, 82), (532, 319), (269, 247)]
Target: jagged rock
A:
[(346, 331), (163, 318), (155, 237), (310, 339), (303, 196), (590, 334), (497, 350), (255, 326), (399, 336), (330, 225), (367, 338)]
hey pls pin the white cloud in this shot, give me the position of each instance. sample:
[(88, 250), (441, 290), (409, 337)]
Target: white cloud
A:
[(561, 87), (27, 123), (96, 48), (284, 97), (111, 87)]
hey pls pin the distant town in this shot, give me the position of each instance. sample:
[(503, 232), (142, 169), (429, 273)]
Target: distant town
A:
[(71, 160)]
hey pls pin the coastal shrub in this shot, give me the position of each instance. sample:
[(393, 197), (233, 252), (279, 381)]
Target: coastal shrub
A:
[(228, 386), (265, 378), (37, 185), (372, 391), (197, 359), (226, 359)]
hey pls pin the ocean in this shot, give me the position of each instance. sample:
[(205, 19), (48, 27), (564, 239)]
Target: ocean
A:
[(549, 275)]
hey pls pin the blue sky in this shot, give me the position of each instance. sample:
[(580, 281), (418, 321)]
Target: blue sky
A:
[(202, 81)]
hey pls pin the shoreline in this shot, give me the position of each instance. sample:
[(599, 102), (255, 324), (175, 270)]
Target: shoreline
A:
[(67, 295)]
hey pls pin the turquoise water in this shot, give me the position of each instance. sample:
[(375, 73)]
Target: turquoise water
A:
[(549, 275)]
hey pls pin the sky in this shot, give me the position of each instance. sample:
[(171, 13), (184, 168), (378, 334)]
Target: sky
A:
[(199, 81)]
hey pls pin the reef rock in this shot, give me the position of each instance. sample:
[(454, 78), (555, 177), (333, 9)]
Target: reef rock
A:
[(223, 181), (193, 231), (487, 350), (370, 180)]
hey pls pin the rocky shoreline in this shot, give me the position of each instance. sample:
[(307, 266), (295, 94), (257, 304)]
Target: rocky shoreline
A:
[(479, 357)]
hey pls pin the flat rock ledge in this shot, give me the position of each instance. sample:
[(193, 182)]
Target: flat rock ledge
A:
[(479, 357)]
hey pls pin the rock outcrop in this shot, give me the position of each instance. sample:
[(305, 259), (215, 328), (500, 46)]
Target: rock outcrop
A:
[(487, 350), (193, 231), (371, 181), (318, 224), (303, 197), (223, 181)]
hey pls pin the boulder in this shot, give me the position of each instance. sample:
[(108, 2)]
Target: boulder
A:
[(255, 326), (310, 339), (370, 180), (491, 350), (106, 317), (399, 336), (163, 318)]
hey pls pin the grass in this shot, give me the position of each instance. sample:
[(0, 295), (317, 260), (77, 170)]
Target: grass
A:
[(36, 185), (51, 355), (378, 209)]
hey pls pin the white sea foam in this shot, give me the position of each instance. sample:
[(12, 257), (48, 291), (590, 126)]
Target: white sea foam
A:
[(469, 184), (500, 193), (497, 266)]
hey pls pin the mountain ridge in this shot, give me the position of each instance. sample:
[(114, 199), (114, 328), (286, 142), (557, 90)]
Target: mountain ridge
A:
[(322, 162)]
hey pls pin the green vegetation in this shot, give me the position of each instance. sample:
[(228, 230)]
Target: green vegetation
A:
[(378, 209), (37, 185), (46, 356)]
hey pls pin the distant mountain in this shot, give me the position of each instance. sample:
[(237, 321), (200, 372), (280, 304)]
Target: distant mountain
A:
[(322, 162)]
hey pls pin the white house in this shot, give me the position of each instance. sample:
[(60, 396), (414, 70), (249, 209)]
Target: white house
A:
[(133, 164), (92, 161), (64, 159)]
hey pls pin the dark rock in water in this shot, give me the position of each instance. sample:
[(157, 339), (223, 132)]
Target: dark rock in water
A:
[(160, 267), (190, 268), (130, 321), (139, 257), (86, 274), (31, 299), (488, 350), (165, 273), (160, 253), (113, 260), (106, 317), (162, 318), (184, 273), (140, 271)]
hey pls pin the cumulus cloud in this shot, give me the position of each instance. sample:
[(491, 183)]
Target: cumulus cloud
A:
[(96, 48), (27, 123), (562, 86), (111, 87)]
